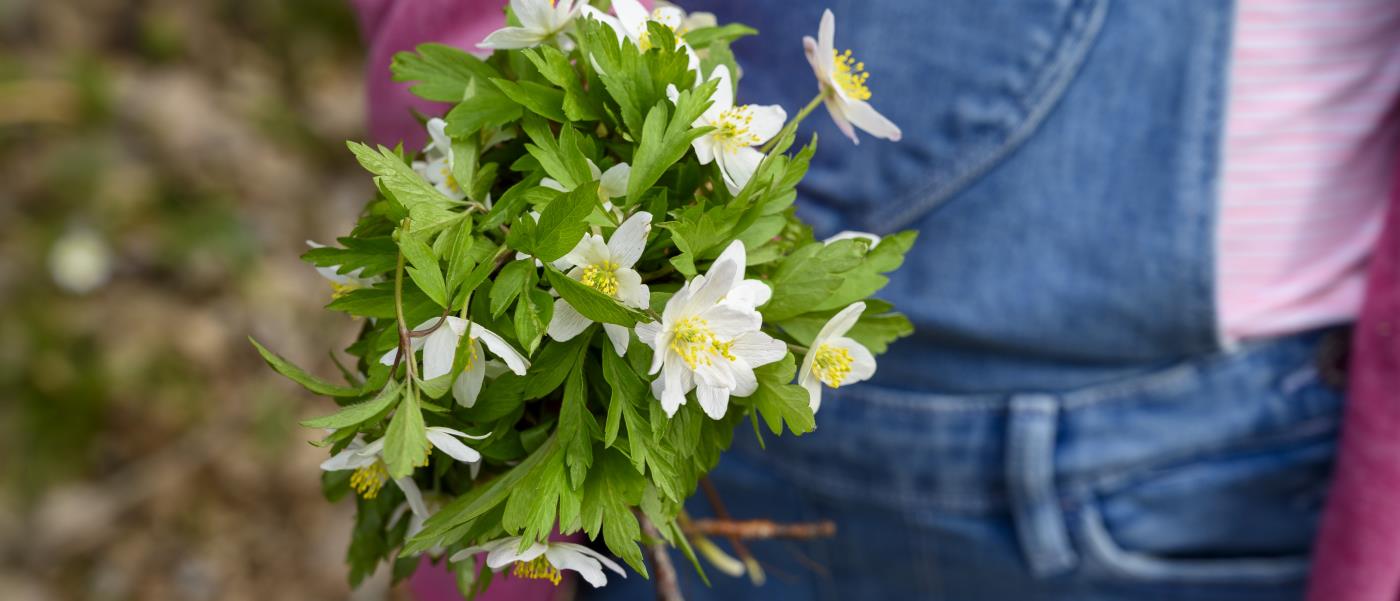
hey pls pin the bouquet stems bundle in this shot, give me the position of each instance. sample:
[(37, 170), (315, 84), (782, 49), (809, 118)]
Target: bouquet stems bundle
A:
[(574, 295)]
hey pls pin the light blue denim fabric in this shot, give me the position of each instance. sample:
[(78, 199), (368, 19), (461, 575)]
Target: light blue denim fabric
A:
[(1063, 424)]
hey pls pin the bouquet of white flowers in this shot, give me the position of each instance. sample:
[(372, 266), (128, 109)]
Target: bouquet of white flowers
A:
[(596, 169)]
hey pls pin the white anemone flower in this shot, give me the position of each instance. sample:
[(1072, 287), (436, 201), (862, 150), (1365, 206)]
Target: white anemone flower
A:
[(834, 359), (611, 183), (709, 342), (853, 235), (541, 21), (342, 283), (843, 84), (440, 347), (737, 130), (437, 169), (367, 460), (607, 268), (632, 19), (545, 560)]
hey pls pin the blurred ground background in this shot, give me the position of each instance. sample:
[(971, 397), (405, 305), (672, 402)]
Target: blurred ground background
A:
[(163, 162)]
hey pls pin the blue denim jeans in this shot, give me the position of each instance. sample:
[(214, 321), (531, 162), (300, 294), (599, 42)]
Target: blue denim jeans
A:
[(1198, 481)]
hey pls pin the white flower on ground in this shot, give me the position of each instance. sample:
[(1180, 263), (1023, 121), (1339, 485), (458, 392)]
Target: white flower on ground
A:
[(834, 359), (737, 130), (611, 183), (854, 235), (631, 23), (708, 339), (341, 283), (541, 21), (607, 268), (367, 460), (437, 169), (80, 261), (842, 81), (544, 560), (439, 349)]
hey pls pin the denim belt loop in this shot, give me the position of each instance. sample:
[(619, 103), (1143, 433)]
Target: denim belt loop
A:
[(1030, 474)]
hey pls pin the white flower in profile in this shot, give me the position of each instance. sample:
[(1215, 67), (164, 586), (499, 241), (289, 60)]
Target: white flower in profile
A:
[(440, 348), (342, 283), (737, 130), (842, 81), (834, 359), (708, 339), (611, 183), (544, 560), (853, 235), (437, 169), (367, 461), (632, 19), (607, 268), (541, 21)]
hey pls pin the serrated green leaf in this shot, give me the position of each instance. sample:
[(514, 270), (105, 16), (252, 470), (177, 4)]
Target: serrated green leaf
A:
[(424, 269), (359, 412), (666, 137), (779, 402), (591, 303), (509, 282), (576, 425), (428, 208), (483, 105), (867, 279), (442, 72), (808, 277), (702, 38), (406, 440), (563, 223), (300, 376), (538, 98), (376, 254)]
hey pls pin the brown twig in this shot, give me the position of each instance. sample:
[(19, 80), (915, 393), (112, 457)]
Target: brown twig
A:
[(668, 588), (740, 549), (762, 529)]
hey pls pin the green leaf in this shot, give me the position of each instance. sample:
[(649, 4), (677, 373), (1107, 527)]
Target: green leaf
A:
[(554, 66), (866, 279), (359, 412), (563, 223), (406, 440), (613, 488), (809, 276), (874, 331), (540, 99), (666, 138), (443, 72), (576, 425), (509, 282), (591, 303), (376, 254), (562, 159), (553, 365), (778, 402), (298, 375), (427, 207), (423, 267), (483, 106), (704, 36), (534, 501), (532, 314)]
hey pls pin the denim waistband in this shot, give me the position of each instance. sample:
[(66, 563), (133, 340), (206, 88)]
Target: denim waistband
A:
[(969, 453)]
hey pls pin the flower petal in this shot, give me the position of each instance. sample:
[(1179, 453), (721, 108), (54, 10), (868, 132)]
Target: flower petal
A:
[(629, 240), (412, 495), (567, 322), (511, 38), (838, 116), (647, 331), (349, 459), (620, 337), (814, 393), (453, 447), (516, 361), (853, 235), (758, 349), (728, 321), (505, 555), (437, 131), (630, 289), (604, 559), (864, 116), (713, 399), (840, 323), (633, 17), (749, 294), (723, 99), (767, 121), (587, 567), (826, 35), (738, 166), (613, 182), (552, 184), (673, 389), (439, 349), (467, 386)]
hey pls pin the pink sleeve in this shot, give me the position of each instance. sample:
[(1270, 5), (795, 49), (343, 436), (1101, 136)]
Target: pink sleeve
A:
[(391, 26), (1357, 556)]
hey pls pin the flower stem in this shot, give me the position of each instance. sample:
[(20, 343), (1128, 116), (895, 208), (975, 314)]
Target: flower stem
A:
[(792, 125), (405, 349)]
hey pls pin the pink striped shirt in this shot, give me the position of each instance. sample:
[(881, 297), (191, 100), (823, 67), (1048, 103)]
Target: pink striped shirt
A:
[(1310, 145)]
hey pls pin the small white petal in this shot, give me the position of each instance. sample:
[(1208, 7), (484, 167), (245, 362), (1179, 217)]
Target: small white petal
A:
[(516, 361), (511, 38), (738, 166), (413, 495), (723, 99), (838, 116), (505, 555), (758, 349), (566, 322), (713, 399), (728, 321), (613, 182), (814, 394), (467, 386), (453, 447), (619, 336), (673, 390), (439, 349), (864, 116), (552, 184), (632, 15), (767, 121), (853, 235), (826, 35), (840, 323), (629, 240), (630, 289), (749, 294), (647, 331)]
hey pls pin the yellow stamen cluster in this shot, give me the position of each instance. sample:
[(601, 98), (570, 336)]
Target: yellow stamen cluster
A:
[(538, 568), (338, 289), (850, 75), (733, 128), (697, 344), (601, 277), (370, 479), (451, 180), (831, 365)]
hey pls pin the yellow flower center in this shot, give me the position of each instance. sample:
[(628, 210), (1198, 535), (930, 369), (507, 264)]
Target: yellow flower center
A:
[(339, 289), (601, 277), (450, 180), (538, 568), (733, 128), (850, 75), (697, 344), (370, 479), (831, 365)]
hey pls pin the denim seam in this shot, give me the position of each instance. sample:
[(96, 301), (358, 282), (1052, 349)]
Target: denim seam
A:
[(1077, 37), (1030, 475)]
